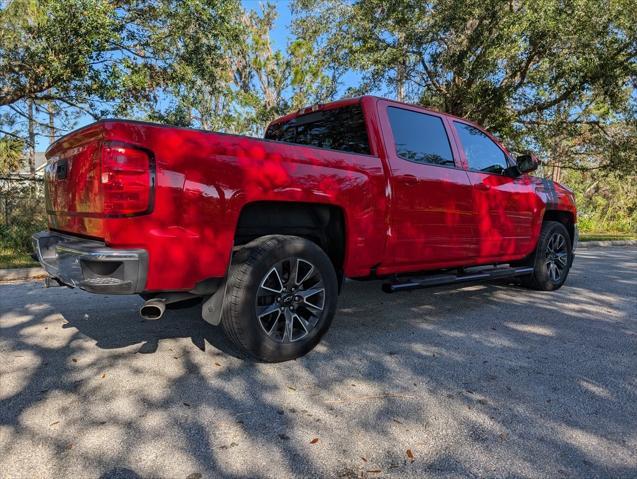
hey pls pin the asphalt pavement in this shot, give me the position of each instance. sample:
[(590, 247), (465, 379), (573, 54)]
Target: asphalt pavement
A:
[(486, 380)]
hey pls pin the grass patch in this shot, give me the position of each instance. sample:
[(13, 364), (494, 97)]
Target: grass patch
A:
[(606, 236), (10, 258)]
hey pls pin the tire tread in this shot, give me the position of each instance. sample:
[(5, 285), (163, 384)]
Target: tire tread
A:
[(245, 259), (532, 281)]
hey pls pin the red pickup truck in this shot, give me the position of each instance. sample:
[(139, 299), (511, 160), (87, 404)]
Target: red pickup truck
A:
[(264, 231)]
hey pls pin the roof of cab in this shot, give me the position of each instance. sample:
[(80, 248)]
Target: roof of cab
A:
[(351, 101)]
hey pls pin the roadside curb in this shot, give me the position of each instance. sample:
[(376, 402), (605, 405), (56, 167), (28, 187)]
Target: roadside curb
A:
[(17, 274), (592, 244)]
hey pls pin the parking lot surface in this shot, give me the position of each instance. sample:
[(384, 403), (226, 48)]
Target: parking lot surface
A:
[(485, 380)]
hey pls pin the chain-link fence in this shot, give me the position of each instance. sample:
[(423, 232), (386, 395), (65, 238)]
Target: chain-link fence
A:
[(22, 211)]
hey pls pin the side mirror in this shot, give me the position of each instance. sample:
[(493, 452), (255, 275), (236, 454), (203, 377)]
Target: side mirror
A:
[(527, 163)]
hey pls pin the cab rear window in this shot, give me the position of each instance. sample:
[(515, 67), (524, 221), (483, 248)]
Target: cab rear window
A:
[(340, 129)]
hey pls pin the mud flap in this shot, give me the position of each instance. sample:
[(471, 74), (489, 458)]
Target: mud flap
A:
[(212, 308)]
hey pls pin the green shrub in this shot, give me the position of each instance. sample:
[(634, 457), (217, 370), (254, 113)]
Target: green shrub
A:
[(22, 213), (606, 202)]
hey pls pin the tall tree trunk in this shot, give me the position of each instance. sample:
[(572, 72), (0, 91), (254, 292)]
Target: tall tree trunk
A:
[(49, 108), (400, 80), (401, 69), (557, 173), (556, 156), (31, 113)]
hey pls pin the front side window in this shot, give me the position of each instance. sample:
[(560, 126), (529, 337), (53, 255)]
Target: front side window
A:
[(481, 151), (420, 137), (337, 129)]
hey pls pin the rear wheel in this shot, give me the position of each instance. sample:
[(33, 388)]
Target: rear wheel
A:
[(280, 297), (552, 259)]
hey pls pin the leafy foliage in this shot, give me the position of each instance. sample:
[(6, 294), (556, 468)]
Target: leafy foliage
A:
[(51, 44), (102, 58), (174, 49), (605, 202), (254, 83), (11, 154), (22, 213), (526, 70)]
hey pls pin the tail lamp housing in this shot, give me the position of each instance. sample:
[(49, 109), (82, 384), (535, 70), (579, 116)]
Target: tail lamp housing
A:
[(127, 180)]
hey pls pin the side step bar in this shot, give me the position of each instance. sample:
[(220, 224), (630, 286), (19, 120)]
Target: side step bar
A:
[(467, 277)]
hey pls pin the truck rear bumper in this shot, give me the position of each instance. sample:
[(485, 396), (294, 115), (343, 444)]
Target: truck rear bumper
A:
[(90, 264)]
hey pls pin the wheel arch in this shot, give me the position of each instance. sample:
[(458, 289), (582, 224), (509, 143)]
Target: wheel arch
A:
[(565, 217), (324, 224)]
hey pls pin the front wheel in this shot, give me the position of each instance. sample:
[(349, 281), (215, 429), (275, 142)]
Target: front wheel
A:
[(552, 258), (280, 297)]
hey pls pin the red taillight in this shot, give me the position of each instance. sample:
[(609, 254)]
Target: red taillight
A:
[(126, 180)]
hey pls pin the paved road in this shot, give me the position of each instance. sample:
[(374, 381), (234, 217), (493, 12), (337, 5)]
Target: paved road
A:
[(482, 381)]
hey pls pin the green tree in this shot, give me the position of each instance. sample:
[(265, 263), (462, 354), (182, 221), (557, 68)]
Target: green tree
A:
[(11, 154), (177, 50), (253, 83), (205, 63), (49, 44), (273, 82), (606, 202), (47, 49), (523, 69), (102, 58)]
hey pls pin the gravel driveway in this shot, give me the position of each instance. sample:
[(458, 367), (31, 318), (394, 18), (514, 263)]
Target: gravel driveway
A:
[(480, 381)]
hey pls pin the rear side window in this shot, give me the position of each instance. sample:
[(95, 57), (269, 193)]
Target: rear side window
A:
[(337, 129), (481, 151), (420, 137)]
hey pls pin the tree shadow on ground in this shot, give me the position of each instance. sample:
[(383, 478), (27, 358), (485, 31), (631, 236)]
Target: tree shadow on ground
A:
[(485, 380)]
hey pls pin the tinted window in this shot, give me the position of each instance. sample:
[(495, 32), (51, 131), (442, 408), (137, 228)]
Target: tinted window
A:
[(481, 152), (337, 129), (420, 137)]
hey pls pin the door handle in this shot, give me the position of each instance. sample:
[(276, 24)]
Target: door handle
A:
[(482, 187), (409, 180)]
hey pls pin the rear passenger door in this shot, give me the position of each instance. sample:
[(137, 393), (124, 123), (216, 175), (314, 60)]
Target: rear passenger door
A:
[(431, 212), (504, 206)]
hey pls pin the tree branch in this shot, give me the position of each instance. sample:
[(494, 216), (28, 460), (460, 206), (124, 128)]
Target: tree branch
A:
[(520, 74), (439, 88), (24, 115), (8, 133), (539, 107)]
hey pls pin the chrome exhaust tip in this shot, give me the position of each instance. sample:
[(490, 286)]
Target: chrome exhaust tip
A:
[(152, 309)]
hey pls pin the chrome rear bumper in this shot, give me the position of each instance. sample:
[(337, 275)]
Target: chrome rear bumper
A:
[(90, 264)]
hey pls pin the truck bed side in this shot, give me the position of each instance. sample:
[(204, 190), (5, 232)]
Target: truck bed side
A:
[(202, 183)]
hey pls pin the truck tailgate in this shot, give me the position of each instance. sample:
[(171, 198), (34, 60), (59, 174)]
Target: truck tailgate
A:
[(88, 179)]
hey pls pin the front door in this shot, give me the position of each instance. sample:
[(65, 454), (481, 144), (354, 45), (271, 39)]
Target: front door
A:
[(504, 206), (431, 216)]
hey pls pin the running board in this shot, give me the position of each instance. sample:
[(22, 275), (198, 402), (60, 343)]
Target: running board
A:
[(466, 277)]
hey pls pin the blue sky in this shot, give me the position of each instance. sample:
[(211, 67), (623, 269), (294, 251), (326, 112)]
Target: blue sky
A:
[(280, 35)]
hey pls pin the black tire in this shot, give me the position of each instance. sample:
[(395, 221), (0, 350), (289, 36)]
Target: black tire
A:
[(550, 269), (257, 270)]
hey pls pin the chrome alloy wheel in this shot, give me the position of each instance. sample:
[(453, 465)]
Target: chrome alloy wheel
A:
[(556, 256), (290, 300)]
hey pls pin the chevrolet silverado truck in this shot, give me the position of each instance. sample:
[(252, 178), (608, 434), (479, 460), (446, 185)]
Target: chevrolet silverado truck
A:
[(263, 232)]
